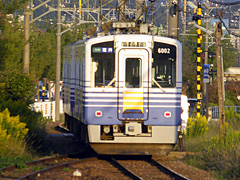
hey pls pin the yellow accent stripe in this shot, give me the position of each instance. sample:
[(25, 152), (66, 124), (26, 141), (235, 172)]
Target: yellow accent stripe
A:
[(132, 98), (133, 102), (132, 92)]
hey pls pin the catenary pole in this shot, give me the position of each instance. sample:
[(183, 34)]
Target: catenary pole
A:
[(26, 50), (58, 64), (205, 85)]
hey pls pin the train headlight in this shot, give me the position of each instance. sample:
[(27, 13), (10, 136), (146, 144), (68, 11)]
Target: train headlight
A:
[(106, 129)]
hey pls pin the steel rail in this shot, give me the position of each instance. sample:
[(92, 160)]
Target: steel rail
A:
[(35, 162), (33, 175), (124, 169), (50, 159), (167, 170)]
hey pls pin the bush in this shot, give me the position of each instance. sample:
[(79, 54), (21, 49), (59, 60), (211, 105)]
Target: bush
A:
[(196, 126), (12, 134), (34, 122), (16, 86), (232, 118), (223, 159)]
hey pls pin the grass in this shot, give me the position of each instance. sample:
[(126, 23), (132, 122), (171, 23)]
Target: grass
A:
[(220, 159)]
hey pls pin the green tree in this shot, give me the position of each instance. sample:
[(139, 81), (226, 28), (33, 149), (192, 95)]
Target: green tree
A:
[(230, 59), (11, 6), (16, 86), (11, 44), (43, 55)]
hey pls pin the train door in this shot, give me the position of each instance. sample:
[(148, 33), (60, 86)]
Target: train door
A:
[(133, 86)]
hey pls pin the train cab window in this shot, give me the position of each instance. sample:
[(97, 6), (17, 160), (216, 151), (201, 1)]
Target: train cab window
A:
[(133, 71), (164, 65), (104, 71)]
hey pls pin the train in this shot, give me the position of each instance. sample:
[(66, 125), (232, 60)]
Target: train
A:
[(122, 90)]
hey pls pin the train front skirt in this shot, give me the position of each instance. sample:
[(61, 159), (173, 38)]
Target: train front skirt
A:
[(161, 140)]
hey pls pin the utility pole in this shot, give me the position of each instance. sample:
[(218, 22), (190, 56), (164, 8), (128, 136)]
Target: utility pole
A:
[(185, 17), (220, 80), (173, 19), (26, 50), (205, 85), (58, 64)]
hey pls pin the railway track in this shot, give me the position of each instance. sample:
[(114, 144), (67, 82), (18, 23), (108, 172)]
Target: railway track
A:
[(147, 168), (88, 166), (40, 166)]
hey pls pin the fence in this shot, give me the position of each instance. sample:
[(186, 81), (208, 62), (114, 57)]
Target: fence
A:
[(47, 108), (215, 110)]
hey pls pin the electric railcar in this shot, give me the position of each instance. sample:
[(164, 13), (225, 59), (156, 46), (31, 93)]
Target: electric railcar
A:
[(122, 92)]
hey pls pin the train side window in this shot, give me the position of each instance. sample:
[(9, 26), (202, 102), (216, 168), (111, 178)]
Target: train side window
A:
[(133, 71)]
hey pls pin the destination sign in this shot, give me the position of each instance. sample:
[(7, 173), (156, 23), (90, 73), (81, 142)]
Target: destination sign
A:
[(102, 50)]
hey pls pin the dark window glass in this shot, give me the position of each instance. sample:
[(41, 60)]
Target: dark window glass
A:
[(133, 71), (103, 57), (164, 65)]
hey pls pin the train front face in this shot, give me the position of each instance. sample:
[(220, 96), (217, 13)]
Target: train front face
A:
[(133, 102)]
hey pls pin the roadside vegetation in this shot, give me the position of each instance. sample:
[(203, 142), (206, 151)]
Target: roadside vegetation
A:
[(222, 159)]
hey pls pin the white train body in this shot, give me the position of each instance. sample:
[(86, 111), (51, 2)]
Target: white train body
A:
[(122, 93)]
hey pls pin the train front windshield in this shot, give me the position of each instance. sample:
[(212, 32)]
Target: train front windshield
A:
[(164, 65)]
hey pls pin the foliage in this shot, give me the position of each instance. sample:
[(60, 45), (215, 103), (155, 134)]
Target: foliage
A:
[(196, 126), (230, 59), (232, 118), (232, 90), (12, 135), (10, 161), (221, 158), (11, 44), (11, 6), (16, 86), (43, 55), (189, 64), (34, 122)]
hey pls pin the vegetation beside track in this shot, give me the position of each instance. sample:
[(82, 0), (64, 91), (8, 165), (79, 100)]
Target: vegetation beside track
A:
[(22, 133), (222, 159)]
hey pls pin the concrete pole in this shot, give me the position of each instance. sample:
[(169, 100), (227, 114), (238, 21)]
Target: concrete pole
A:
[(58, 64), (26, 50), (205, 85), (185, 17), (173, 19), (167, 18)]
